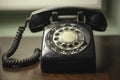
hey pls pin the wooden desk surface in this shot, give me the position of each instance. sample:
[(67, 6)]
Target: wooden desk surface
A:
[(34, 72)]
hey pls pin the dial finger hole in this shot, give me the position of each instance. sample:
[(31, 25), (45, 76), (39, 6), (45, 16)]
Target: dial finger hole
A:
[(85, 43), (56, 38), (70, 45), (76, 43), (66, 28), (61, 30), (64, 45), (56, 34), (58, 43), (72, 29)]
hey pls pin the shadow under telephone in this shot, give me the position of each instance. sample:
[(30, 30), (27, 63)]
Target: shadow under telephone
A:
[(67, 44)]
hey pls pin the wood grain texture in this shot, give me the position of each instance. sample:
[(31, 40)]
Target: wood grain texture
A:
[(106, 45), (34, 73)]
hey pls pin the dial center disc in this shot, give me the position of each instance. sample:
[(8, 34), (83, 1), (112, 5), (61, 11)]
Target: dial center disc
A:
[(68, 36)]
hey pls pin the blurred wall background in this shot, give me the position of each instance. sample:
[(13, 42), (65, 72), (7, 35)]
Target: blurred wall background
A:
[(10, 20)]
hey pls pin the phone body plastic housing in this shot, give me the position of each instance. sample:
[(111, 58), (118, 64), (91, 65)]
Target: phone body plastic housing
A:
[(84, 61), (52, 61)]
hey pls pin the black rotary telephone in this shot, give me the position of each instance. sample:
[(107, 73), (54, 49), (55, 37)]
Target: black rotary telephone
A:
[(68, 43)]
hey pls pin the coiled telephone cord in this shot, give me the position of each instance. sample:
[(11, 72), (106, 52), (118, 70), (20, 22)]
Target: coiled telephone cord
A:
[(14, 63)]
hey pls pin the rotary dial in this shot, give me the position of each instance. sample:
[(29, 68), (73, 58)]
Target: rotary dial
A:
[(68, 38)]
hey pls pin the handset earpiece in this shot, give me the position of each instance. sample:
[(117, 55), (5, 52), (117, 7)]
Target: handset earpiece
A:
[(39, 21), (97, 21)]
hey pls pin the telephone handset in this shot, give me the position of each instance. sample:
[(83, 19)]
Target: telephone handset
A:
[(68, 43)]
